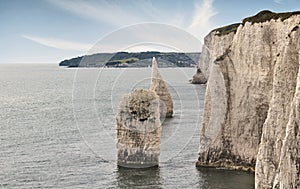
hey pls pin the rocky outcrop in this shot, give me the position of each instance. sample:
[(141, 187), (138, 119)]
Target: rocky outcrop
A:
[(251, 113), (215, 44), (138, 130), (161, 89), (139, 123), (199, 77)]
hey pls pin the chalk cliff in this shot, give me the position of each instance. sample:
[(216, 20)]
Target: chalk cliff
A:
[(288, 171), (251, 114), (215, 44)]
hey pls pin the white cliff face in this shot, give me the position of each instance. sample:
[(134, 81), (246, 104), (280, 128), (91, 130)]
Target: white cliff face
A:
[(161, 89), (288, 171), (286, 65), (251, 114), (213, 47)]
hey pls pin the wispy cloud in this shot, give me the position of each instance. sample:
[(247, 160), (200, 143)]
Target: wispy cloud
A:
[(123, 13), (108, 12), (59, 43), (278, 1), (153, 35), (201, 23), (119, 13)]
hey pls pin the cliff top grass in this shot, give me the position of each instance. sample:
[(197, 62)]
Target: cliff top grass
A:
[(260, 17), (267, 15), (227, 29)]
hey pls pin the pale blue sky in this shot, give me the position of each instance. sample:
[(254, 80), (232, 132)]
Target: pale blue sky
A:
[(48, 31)]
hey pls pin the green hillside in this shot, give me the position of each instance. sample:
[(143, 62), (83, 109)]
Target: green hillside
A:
[(139, 59)]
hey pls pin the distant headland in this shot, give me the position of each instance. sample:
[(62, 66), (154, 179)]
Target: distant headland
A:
[(134, 59)]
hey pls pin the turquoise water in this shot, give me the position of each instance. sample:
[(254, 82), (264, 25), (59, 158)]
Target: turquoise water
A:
[(58, 131)]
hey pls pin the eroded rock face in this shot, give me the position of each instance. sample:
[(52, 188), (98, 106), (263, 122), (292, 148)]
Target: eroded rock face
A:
[(251, 113), (213, 47), (161, 89), (286, 65), (288, 172), (138, 129)]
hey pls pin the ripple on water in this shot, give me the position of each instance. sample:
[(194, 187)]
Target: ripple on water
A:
[(41, 146)]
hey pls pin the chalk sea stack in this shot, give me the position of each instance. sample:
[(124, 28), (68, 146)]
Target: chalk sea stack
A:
[(199, 77), (251, 116), (138, 129), (161, 89)]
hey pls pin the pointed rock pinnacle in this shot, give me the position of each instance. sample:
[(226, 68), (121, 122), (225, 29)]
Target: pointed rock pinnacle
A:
[(161, 89)]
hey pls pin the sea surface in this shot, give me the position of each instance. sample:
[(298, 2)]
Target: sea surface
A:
[(57, 130)]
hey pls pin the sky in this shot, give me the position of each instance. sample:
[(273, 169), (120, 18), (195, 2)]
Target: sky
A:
[(49, 31)]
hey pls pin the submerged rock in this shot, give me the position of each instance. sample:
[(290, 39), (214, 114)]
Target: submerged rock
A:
[(161, 89), (138, 129)]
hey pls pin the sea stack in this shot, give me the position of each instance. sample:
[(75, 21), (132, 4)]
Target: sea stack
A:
[(161, 89), (199, 77), (138, 129)]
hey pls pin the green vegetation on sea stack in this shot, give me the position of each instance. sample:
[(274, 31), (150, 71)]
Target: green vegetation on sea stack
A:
[(136, 59)]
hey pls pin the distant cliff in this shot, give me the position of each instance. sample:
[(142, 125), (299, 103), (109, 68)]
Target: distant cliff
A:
[(252, 106), (139, 59)]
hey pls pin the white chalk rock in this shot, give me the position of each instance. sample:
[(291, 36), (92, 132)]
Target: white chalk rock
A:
[(161, 89), (138, 129)]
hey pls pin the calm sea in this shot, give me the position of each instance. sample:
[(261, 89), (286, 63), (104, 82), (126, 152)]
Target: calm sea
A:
[(58, 130)]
